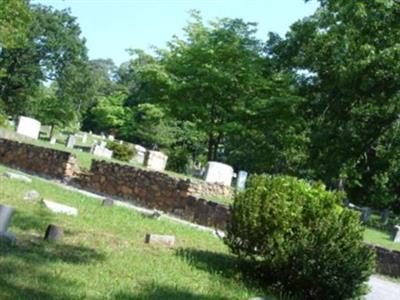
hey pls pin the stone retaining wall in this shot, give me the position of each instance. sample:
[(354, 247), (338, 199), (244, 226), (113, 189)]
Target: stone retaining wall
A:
[(387, 261), (154, 190), (39, 160)]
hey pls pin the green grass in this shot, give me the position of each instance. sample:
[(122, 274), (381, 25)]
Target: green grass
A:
[(103, 254), (380, 238)]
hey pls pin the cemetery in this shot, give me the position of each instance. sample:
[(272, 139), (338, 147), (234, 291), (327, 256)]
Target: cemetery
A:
[(250, 154)]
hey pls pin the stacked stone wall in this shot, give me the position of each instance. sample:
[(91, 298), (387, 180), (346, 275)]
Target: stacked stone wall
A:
[(39, 160)]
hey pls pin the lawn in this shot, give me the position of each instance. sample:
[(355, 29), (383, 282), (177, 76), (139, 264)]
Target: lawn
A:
[(380, 238), (103, 254)]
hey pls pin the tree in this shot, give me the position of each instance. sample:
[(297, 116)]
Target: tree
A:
[(346, 56), (54, 51), (215, 72)]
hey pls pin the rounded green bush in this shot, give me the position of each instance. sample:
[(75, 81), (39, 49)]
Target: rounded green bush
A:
[(300, 239), (121, 152)]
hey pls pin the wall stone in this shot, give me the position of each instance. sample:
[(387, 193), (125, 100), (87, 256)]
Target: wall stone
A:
[(154, 190), (39, 160), (387, 261)]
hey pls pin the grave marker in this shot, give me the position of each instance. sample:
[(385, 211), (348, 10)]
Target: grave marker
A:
[(217, 172), (28, 127)]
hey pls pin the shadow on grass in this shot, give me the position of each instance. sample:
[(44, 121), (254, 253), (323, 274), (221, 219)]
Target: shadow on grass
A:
[(224, 265), (38, 218), (30, 270), (152, 292)]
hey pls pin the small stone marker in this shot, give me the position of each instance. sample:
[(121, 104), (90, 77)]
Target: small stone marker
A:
[(140, 154), (365, 214), (107, 202), (396, 234), (71, 140), (6, 213), (53, 140), (241, 180), (385, 217), (32, 195), (84, 138), (16, 176), (54, 233), (167, 240), (60, 208), (111, 138)]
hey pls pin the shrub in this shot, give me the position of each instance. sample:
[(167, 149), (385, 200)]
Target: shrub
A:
[(121, 152), (178, 159), (299, 239)]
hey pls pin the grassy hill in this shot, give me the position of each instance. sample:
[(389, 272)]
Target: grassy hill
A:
[(103, 254)]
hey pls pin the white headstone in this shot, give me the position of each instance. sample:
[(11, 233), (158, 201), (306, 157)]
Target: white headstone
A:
[(140, 154), (241, 180), (103, 144), (84, 138), (217, 172), (111, 138), (396, 234), (155, 160), (102, 151), (60, 208), (71, 141), (28, 127), (53, 140)]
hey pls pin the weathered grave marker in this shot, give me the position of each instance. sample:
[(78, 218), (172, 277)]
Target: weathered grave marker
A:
[(32, 195), (71, 140), (54, 233), (396, 234), (28, 127), (60, 208), (16, 176), (107, 202), (155, 160), (167, 240), (241, 180), (6, 213), (217, 172), (365, 214)]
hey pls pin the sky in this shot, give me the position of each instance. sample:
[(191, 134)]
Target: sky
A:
[(112, 26)]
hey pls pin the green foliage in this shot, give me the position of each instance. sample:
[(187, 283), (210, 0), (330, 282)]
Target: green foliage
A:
[(14, 21), (121, 152), (178, 159), (299, 238), (347, 60)]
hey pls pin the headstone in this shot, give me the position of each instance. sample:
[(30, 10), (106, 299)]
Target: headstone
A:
[(385, 217), (16, 176), (6, 213), (167, 240), (102, 152), (121, 142), (217, 172), (111, 138), (396, 234), (107, 202), (54, 233), (32, 195), (84, 138), (71, 140), (53, 140), (241, 180), (103, 144), (365, 214), (155, 160), (28, 127), (60, 208), (103, 136), (139, 155)]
